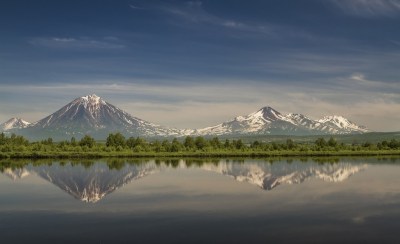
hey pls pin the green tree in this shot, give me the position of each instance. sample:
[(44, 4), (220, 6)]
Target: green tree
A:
[(133, 142), (189, 143), (156, 146), (73, 142), (320, 142), (215, 143), (290, 144), (176, 146), (227, 144), (3, 138), (255, 144), (332, 142), (200, 142), (394, 144), (115, 140), (238, 144), (48, 141), (87, 141), (166, 145)]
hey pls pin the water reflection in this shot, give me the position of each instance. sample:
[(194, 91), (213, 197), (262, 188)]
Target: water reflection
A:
[(268, 176), (15, 174), (90, 181)]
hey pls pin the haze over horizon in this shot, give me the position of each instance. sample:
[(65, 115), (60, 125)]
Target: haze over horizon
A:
[(192, 64)]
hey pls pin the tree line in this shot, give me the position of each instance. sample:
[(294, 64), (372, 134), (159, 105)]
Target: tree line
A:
[(117, 142)]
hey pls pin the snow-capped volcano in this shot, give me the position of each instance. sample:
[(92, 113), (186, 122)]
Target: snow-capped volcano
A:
[(93, 115), (88, 112), (269, 121), (14, 123)]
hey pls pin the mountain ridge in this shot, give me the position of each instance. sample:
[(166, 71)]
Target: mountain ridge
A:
[(94, 116), (269, 121)]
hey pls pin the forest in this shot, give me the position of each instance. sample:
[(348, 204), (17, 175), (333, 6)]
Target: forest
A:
[(116, 145)]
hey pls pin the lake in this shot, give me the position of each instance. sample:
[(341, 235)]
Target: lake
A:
[(321, 200)]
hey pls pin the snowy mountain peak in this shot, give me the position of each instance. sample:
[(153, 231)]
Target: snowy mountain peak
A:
[(342, 123), (270, 114), (14, 123), (94, 116), (268, 109), (269, 121), (336, 118), (92, 100), (267, 114)]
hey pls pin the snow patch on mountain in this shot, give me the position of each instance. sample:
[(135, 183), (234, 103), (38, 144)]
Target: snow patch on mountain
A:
[(14, 123)]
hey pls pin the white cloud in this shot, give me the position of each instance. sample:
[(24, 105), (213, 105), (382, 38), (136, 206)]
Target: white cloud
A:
[(135, 7), (64, 39), (77, 43), (361, 80), (369, 8), (232, 24)]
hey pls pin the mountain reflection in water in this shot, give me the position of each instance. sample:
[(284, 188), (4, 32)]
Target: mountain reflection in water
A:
[(91, 181)]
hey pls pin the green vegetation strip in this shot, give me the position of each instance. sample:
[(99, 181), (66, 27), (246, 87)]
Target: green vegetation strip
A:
[(116, 145)]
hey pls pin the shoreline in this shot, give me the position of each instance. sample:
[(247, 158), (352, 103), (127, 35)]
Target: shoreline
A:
[(89, 155)]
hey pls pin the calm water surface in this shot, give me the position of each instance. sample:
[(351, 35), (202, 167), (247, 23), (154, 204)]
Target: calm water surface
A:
[(347, 200)]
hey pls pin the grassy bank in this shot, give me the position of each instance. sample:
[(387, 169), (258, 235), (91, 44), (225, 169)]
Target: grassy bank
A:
[(130, 154)]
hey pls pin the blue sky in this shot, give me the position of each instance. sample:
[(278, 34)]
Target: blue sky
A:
[(190, 64)]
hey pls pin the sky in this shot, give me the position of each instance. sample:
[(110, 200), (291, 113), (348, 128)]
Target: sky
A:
[(193, 64)]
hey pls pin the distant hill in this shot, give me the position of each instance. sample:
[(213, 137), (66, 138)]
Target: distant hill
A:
[(14, 123)]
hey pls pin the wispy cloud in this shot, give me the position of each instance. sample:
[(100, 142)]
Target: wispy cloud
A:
[(77, 43), (397, 43), (361, 80), (369, 8), (194, 12), (135, 7)]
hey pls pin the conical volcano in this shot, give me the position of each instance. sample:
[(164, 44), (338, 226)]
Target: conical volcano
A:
[(96, 117)]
